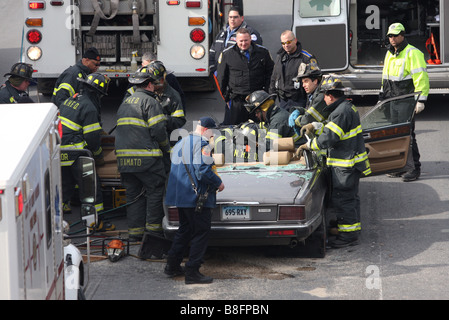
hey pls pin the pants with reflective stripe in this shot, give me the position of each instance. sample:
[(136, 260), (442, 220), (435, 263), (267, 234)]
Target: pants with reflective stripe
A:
[(345, 198), (71, 176), (147, 212), (194, 228)]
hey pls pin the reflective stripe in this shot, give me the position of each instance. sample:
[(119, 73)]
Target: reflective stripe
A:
[(92, 127), (178, 114), (70, 124), (350, 227), (139, 153), (74, 146), (99, 207), (335, 128), (351, 134), (132, 122), (273, 135), (136, 231), (315, 114), (347, 163), (65, 86), (156, 119), (153, 227)]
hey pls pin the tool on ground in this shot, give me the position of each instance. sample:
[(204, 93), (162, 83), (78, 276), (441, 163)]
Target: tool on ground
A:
[(115, 248)]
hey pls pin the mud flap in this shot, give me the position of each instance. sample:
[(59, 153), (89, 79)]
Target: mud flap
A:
[(153, 246)]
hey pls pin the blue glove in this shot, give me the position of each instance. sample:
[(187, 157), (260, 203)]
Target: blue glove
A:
[(291, 119)]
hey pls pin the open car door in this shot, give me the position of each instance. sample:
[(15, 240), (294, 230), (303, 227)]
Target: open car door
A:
[(387, 133)]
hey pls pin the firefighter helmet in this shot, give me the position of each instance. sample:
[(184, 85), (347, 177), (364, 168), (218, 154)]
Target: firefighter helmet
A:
[(23, 70), (257, 99), (333, 83), (157, 69), (247, 132), (310, 70), (97, 81), (142, 75)]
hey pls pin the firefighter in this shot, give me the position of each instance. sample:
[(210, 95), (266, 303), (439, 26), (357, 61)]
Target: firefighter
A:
[(347, 158), (67, 84), (275, 119), (242, 69), (81, 129), (290, 93), (404, 71), (141, 141), (15, 88), (316, 110)]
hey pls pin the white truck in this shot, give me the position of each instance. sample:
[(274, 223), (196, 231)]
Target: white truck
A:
[(36, 262), (350, 37), (180, 33)]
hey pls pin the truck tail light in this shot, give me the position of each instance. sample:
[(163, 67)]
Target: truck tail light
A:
[(292, 213), (57, 3), (193, 4), (36, 5), (173, 214), (173, 3), (34, 53), (197, 35), (197, 21), (34, 36), (34, 22), (197, 52), (19, 201)]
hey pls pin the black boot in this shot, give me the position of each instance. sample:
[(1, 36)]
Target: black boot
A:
[(193, 275), (345, 240), (173, 268)]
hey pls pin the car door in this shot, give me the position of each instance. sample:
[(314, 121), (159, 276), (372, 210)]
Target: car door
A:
[(387, 133)]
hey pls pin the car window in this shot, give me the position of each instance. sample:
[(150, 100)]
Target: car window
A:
[(390, 112)]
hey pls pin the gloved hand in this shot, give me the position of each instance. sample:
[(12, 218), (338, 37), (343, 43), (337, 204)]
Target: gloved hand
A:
[(300, 151), (291, 119), (307, 129), (419, 107)]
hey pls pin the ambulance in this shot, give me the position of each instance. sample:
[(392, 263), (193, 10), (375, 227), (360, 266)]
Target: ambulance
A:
[(36, 262), (349, 37)]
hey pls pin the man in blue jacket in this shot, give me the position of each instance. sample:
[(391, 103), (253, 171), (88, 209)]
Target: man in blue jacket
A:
[(192, 176)]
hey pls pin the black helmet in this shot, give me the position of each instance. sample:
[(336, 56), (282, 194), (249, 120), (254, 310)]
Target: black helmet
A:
[(142, 75), (97, 81), (310, 70), (158, 70), (256, 99), (333, 83), (22, 70)]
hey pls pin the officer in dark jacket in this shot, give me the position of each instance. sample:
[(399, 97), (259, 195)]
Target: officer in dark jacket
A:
[(141, 141), (264, 106), (242, 69), (14, 89), (227, 37), (81, 129), (67, 84), (288, 60), (347, 158)]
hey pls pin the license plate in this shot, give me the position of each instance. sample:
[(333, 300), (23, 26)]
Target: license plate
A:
[(235, 213)]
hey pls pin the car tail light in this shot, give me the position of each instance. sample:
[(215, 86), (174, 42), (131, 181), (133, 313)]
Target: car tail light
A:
[(292, 213), (193, 4), (34, 22), (34, 36), (197, 21), (173, 214), (36, 5), (197, 35), (278, 233)]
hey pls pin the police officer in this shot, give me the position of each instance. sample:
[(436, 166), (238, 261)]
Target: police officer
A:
[(227, 37), (242, 69), (192, 164), (67, 84), (347, 158), (81, 129), (275, 119), (15, 88), (141, 141), (288, 60), (404, 71), (310, 76)]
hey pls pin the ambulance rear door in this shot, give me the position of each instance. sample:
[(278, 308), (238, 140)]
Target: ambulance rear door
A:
[(321, 26)]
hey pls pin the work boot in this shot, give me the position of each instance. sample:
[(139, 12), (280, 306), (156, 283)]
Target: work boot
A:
[(411, 175), (344, 240), (174, 270), (396, 174), (193, 275)]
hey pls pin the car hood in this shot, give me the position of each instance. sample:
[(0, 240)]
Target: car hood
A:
[(262, 184)]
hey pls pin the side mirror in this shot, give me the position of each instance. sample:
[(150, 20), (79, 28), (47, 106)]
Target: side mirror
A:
[(87, 189)]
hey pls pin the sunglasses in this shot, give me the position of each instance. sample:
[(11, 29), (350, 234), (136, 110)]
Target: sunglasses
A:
[(392, 35), (287, 42)]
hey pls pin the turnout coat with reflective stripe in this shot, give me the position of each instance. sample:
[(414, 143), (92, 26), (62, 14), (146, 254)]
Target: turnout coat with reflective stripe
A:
[(141, 134), (343, 138), (405, 71), (277, 126), (67, 84), (81, 128)]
